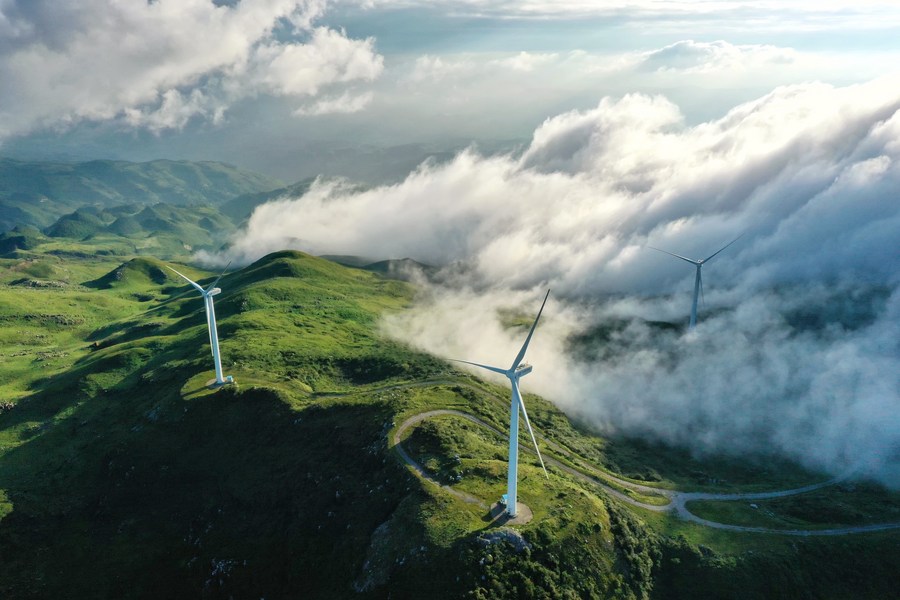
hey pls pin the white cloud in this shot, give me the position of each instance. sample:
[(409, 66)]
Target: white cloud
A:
[(808, 173), (526, 61), (158, 64), (343, 104), (691, 56), (302, 69), (175, 110), (436, 68)]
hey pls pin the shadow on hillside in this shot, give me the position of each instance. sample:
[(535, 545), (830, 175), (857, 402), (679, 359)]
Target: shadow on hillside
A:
[(142, 494)]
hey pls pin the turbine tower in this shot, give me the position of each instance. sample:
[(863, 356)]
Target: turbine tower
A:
[(208, 294), (514, 373), (698, 280)]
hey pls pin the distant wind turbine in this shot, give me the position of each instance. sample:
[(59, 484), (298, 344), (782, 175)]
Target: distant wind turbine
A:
[(698, 280), (514, 373), (208, 294)]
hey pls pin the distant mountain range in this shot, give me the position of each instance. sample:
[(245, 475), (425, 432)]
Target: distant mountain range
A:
[(168, 208), (38, 193), (169, 230)]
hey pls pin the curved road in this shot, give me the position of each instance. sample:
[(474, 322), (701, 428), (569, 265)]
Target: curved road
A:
[(677, 500)]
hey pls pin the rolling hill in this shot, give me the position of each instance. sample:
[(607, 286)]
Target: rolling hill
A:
[(164, 230)]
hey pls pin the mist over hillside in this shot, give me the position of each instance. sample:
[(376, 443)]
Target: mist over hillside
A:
[(796, 350)]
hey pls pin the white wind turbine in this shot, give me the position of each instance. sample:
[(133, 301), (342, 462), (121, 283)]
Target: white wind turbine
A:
[(208, 294), (698, 280), (514, 373)]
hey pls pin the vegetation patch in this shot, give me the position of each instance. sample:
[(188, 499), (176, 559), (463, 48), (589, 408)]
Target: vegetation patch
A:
[(847, 503)]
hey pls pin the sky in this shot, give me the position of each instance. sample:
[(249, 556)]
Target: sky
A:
[(271, 85), (573, 136)]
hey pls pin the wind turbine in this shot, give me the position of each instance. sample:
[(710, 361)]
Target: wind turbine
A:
[(698, 280), (208, 294), (514, 373)]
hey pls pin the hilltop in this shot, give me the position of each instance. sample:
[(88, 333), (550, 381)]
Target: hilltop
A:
[(123, 476)]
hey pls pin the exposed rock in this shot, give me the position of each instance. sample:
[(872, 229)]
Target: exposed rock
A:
[(504, 534), (376, 569)]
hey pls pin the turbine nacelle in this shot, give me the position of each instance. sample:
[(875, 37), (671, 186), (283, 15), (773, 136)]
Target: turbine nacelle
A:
[(522, 370), (213, 291)]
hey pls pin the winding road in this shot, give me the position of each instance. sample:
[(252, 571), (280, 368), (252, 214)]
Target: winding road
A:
[(676, 501)]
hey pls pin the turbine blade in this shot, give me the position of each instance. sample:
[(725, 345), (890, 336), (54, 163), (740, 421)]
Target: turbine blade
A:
[(521, 354), (693, 262), (531, 431), (193, 283), (213, 284), (723, 247), (489, 368)]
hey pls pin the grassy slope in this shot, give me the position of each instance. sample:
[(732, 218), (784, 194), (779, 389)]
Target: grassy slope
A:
[(121, 475)]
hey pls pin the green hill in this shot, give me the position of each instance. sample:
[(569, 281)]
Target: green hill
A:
[(123, 476), (37, 193), (21, 237), (126, 225), (138, 273), (83, 222)]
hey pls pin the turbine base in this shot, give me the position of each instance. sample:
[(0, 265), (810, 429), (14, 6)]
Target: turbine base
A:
[(499, 516), (212, 383)]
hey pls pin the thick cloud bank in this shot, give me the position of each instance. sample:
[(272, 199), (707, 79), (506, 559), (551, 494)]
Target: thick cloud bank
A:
[(158, 64), (797, 348)]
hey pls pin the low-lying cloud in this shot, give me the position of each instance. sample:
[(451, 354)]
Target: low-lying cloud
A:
[(797, 347)]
